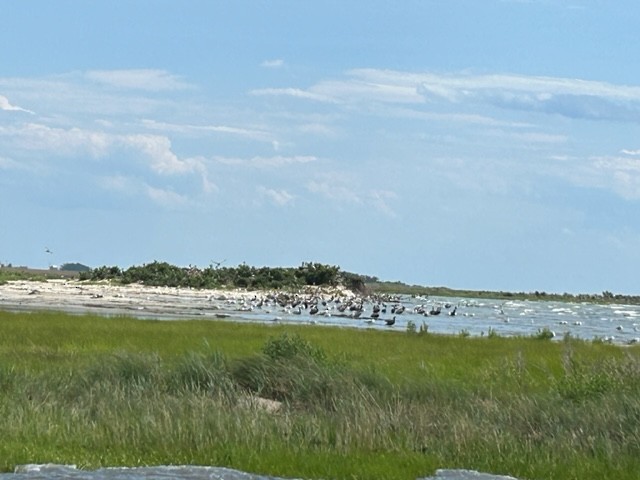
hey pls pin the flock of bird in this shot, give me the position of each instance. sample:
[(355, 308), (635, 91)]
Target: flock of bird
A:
[(381, 309), (369, 309)]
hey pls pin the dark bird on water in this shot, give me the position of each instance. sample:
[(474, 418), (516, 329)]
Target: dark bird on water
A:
[(391, 321)]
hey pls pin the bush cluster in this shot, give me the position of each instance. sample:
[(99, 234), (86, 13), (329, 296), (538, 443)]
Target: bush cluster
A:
[(242, 276)]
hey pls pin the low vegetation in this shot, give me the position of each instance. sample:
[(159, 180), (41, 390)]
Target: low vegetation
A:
[(285, 278), (215, 276), (343, 403)]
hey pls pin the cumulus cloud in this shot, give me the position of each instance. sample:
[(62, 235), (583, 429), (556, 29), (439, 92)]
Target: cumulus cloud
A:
[(6, 105), (154, 151), (138, 79), (77, 141), (58, 141), (158, 149)]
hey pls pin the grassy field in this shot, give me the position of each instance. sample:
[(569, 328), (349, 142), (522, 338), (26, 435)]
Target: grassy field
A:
[(355, 404)]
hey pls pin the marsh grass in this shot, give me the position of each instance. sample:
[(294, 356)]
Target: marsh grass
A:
[(99, 391)]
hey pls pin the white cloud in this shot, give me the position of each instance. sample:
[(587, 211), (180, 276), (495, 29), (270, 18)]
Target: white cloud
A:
[(166, 198), (277, 63), (343, 192), (276, 161), (76, 141), (320, 129), (67, 95), (291, 92), (380, 200), (5, 105), (153, 150), (138, 79), (278, 197), (539, 137), (163, 160), (619, 174), (574, 98), (9, 164), (338, 194), (59, 141), (118, 183), (470, 118), (189, 129), (371, 90), (630, 152)]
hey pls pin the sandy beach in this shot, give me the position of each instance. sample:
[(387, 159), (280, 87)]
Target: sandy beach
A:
[(139, 300), (105, 298), (612, 323)]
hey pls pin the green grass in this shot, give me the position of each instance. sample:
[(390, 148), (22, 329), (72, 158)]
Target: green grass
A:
[(97, 391)]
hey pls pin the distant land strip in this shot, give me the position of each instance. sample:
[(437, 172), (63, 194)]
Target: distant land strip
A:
[(283, 278)]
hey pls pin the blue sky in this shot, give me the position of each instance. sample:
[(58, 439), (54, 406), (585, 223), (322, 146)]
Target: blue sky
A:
[(480, 144)]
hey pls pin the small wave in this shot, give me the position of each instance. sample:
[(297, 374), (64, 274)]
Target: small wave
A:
[(465, 475), (186, 472)]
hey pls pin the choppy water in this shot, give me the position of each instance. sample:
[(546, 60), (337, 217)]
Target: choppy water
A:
[(613, 323), (618, 324), (64, 472)]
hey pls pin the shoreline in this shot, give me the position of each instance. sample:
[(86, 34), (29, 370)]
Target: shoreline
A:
[(76, 296), (330, 306)]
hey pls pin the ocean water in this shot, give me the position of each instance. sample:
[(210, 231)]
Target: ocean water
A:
[(186, 472), (619, 324)]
